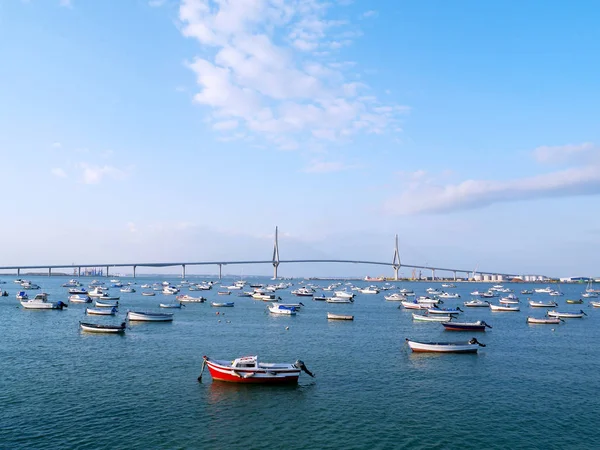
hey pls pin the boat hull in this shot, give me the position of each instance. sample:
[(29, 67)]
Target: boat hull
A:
[(97, 328), (254, 376), (149, 317), (442, 347), (331, 316)]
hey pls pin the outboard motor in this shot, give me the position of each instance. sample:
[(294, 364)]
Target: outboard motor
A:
[(300, 365), (475, 341)]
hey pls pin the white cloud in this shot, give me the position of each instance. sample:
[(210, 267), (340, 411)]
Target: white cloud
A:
[(426, 193), (66, 3), (56, 145), (370, 13), (328, 167), (91, 174), (156, 3), (566, 153), (226, 125), (263, 66), (58, 172)]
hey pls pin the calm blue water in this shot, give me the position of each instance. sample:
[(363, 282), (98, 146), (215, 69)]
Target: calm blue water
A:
[(531, 387)]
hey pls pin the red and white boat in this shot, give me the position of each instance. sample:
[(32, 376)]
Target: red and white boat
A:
[(248, 369)]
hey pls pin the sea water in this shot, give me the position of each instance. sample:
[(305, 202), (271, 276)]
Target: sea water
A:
[(532, 386)]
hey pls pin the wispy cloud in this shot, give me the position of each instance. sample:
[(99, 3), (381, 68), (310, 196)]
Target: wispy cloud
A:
[(316, 166), (58, 172), (226, 125), (56, 145), (156, 3), (426, 193), (267, 70), (571, 153), (92, 174), (65, 3), (370, 13)]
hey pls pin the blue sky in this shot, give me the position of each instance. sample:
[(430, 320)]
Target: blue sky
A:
[(186, 130)]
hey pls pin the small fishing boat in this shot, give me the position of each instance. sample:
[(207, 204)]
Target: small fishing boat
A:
[(296, 306), (107, 303), (477, 303), (510, 299), (41, 302), (566, 315), (22, 295), (343, 294), (480, 325), (127, 290), (140, 316), (80, 298), (433, 318), (595, 304), (102, 328), (572, 301), (148, 294), (504, 308), (189, 299), (526, 292), (407, 304), (100, 311), (448, 295), (320, 298), (75, 291), (447, 311), (171, 305), (224, 293), (339, 300), (277, 309), (222, 305), (394, 297), (331, 316), (470, 346), (542, 304), (545, 320), (249, 370)]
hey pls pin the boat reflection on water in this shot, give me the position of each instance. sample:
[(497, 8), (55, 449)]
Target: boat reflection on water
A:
[(233, 393)]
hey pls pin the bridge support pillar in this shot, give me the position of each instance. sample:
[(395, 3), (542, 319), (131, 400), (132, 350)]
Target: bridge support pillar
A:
[(432, 274), (18, 272), (183, 271), (134, 267), (455, 275), (106, 271), (79, 272), (396, 269), (275, 266), (220, 271), (49, 271)]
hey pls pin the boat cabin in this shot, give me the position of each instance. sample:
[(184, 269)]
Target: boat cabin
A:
[(246, 362)]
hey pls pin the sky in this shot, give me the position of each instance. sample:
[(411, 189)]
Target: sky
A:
[(164, 130)]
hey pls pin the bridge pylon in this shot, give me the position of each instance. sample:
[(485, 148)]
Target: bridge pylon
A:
[(275, 254), (396, 260)]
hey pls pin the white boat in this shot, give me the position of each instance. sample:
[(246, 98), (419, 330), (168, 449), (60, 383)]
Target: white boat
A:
[(304, 292), (433, 291), (128, 290), (222, 305), (448, 295), (100, 311), (170, 290), (470, 346), (249, 370), (445, 311), (343, 294), (170, 305), (29, 286), (504, 308), (395, 297), (566, 315), (414, 305), (41, 302), (148, 294), (339, 300), (72, 283), (369, 290), (189, 299), (595, 304), (424, 300), (545, 320), (22, 295), (542, 304), (98, 291), (331, 316), (589, 295), (276, 309), (101, 303), (140, 316), (451, 285), (477, 304), (80, 298), (102, 328), (545, 290), (433, 318), (508, 301)]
